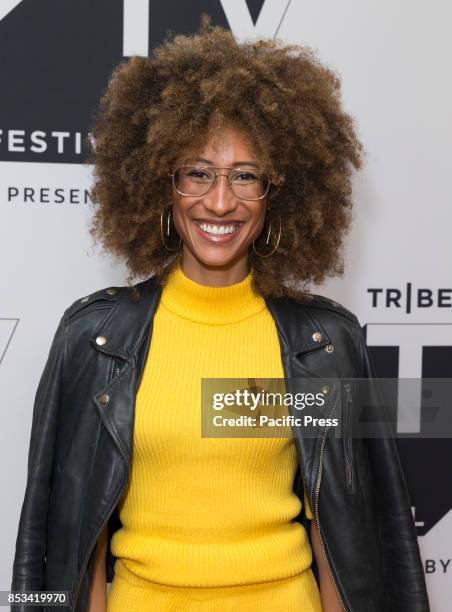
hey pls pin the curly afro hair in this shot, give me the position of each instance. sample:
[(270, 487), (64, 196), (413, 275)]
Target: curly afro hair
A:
[(288, 105)]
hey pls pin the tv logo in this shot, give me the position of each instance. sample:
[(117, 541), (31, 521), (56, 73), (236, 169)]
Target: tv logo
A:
[(136, 22), (410, 339)]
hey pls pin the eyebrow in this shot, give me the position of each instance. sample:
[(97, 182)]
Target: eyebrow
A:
[(239, 163)]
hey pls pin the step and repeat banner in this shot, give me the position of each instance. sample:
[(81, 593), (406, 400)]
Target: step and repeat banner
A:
[(55, 60)]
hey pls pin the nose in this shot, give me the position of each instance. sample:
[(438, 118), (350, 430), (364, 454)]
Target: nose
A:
[(220, 199)]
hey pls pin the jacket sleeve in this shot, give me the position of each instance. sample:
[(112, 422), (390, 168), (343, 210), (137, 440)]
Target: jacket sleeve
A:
[(402, 563), (30, 551)]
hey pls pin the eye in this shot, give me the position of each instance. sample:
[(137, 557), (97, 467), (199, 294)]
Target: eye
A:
[(245, 176), (197, 173)]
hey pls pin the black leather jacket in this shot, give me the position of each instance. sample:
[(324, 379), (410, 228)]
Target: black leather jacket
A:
[(81, 439)]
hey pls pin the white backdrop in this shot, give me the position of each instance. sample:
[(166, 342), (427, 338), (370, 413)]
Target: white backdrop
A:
[(394, 58)]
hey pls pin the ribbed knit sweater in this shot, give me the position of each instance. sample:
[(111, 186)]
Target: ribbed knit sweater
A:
[(207, 511)]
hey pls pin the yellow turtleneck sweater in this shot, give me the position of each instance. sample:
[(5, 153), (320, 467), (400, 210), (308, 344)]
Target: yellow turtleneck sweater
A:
[(208, 512)]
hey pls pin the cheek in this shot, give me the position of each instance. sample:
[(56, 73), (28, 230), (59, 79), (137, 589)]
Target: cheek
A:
[(259, 220), (179, 215)]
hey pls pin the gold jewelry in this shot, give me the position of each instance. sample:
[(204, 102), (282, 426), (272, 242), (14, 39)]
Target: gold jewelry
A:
[(267, 241), (167, 231)]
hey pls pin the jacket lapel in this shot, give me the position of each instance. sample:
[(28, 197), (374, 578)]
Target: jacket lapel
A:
[(301, 333), (127, 333)]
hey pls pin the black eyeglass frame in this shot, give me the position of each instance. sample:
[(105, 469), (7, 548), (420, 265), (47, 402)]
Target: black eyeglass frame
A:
[(217, 174)]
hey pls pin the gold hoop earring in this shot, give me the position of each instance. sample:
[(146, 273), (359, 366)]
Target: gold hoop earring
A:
[(267, 241), (167, 231)]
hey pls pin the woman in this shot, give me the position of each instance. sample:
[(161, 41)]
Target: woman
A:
[(225, 170)]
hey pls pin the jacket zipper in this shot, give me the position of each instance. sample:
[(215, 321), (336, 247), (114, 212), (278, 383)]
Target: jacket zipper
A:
[(114, 371), (349, 468), (91, 546), (316, 512)]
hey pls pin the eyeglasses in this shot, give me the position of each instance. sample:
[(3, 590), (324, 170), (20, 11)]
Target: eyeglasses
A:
[(194, 180)]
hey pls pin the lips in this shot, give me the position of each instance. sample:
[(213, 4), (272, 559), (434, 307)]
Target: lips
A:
[(222, 236)]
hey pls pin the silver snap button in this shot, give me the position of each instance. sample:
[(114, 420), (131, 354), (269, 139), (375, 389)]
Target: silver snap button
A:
[(329, 348), (111, 291), (317, 336), (104, 398), (85, 299), (101, 340), (325, 390)]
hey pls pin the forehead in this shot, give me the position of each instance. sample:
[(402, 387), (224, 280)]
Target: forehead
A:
[(226, 145)]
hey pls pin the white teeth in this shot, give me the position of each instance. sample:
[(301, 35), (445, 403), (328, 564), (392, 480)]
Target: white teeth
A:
[(217, 230)]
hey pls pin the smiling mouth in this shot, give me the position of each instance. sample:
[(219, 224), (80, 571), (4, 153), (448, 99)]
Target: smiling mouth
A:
[(214, 229)]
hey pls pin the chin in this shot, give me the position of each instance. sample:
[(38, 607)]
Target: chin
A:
[(220, 259)]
